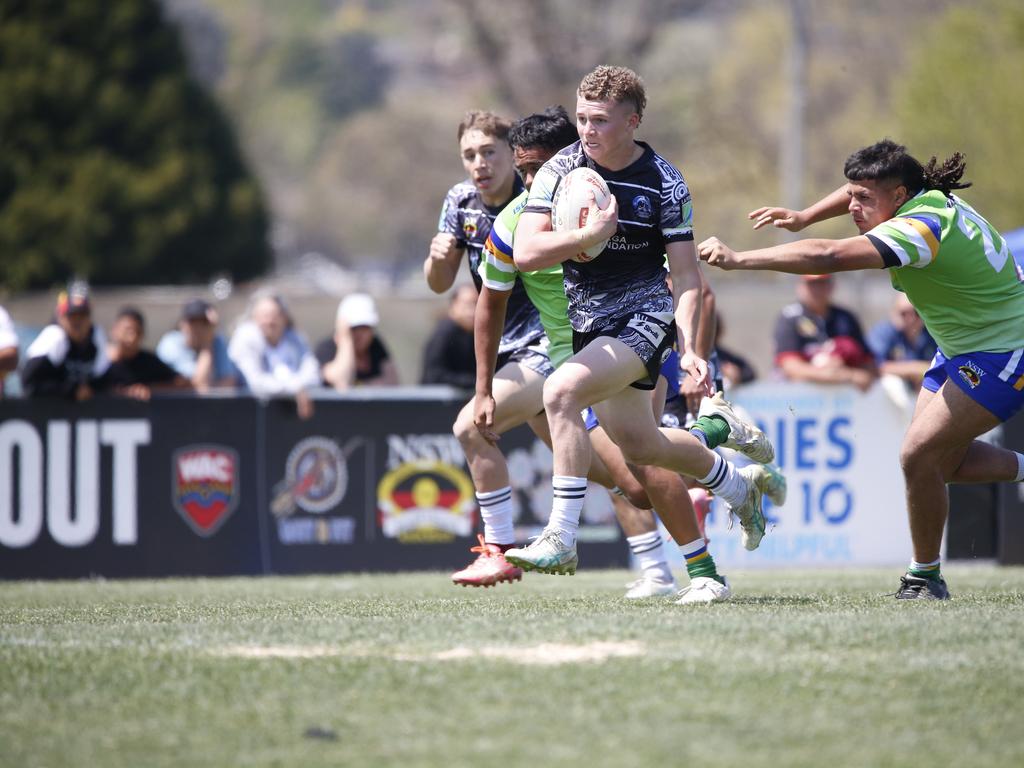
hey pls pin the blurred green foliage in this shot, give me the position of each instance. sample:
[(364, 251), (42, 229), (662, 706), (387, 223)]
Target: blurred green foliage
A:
[(114, 164), (962, 92)]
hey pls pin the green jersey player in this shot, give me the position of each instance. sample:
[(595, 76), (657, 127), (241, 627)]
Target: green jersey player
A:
[(960, 276)]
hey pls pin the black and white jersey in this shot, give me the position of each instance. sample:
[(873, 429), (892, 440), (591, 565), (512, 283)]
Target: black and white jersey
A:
[(465, 216), (654, 210)]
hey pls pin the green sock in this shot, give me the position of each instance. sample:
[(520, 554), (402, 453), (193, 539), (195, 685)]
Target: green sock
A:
[(699, 561), (714, 428), (925, 570)]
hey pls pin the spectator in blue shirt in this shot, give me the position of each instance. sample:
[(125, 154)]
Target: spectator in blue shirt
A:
[(902, 345), (197, 351)]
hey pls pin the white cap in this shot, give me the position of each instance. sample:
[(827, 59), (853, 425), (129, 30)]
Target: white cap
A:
[(358, 309)]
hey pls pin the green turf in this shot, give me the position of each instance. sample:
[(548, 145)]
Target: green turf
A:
[(801, 669)]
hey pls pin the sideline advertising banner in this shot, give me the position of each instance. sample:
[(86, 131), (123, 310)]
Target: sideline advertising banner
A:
[(122, 488), (184, 486), (839, 450)]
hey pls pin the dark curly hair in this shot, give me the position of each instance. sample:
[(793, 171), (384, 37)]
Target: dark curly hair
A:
[(551, 130), (889, 161)]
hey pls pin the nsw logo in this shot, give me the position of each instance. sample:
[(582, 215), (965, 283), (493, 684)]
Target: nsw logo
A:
[(971, 373), (205, 486)]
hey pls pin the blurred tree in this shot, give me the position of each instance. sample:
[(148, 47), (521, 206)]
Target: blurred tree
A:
[(959, 94), (535, 51), (114, 164)]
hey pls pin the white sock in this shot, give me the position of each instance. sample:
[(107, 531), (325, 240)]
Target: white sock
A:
[(496, 511), (567, 505), (649, 550), (724, 481), (1020, 468)]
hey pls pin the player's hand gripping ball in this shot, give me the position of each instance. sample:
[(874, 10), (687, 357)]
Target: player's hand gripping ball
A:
[(571, 206)]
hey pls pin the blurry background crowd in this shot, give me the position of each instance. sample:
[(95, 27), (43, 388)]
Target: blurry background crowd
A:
[(166, 151)]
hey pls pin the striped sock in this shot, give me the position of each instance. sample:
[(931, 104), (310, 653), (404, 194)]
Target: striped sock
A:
[(699, 561), (496, 511), (723, 480), (567, 505), (649, 550), (925, 570)]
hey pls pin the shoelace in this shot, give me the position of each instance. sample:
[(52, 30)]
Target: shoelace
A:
[(484, 549)]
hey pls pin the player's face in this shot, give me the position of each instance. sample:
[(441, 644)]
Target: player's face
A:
[(606, 129), (488, 161), (528, 162), (873, 202)]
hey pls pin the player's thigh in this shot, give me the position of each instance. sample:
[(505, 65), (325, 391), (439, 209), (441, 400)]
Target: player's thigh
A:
[(518, 393), (945, 422), (628, 419), (601, 369)]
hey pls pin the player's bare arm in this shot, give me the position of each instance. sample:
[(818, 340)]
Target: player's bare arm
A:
[(832, 205), (491, 307), (687, 295), (442, 263), (804, 257), (537, 246)]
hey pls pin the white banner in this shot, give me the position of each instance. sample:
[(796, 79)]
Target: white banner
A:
[(839, 449)]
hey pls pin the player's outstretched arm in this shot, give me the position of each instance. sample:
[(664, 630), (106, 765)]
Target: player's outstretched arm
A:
[(832, 205), (804, 257)]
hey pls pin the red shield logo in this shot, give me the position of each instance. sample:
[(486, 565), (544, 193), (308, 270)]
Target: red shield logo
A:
[(205, 486)]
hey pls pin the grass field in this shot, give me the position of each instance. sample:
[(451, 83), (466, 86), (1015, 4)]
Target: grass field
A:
[(802, 669)]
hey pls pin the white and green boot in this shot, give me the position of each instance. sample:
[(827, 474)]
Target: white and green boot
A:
[(546, 554)]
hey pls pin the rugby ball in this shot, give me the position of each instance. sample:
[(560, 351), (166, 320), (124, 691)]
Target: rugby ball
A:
[(572, 205)]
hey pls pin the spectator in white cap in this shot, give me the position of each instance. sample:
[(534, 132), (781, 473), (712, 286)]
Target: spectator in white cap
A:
[(272, 356), (355, 355)]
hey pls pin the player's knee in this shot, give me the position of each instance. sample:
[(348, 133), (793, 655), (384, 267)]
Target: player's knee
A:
[(914, 458), (559, 395), (464, 429)]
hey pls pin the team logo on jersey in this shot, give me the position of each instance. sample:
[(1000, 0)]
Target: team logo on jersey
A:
[(664, 355), (204, 486), (426, 501), (643, 208), (806, 327), (316, 478), (469, 228), (971, 373)]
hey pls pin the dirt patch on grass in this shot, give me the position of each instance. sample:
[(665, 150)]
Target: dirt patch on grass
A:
[(546, 654)]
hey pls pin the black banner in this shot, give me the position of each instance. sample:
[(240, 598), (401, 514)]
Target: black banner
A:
[(201, 487)]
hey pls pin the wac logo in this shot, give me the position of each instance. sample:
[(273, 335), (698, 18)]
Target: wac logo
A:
[(205, 486)]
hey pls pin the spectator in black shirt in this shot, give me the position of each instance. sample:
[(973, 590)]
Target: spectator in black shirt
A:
[(135, 372), (449, 357), (355, 354), (68, 358), (820, 342)]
